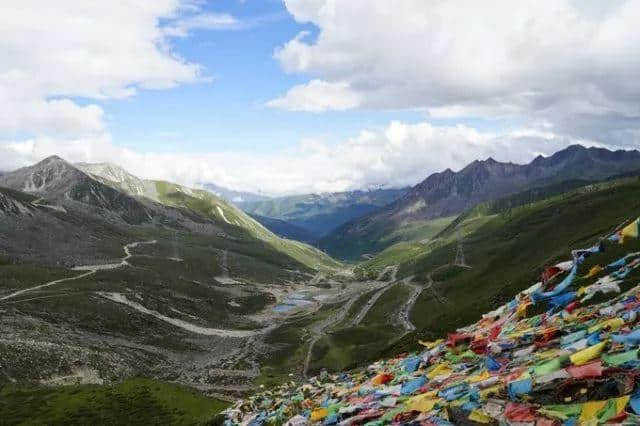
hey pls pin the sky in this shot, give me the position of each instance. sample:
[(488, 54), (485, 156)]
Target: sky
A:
[(294, 96)]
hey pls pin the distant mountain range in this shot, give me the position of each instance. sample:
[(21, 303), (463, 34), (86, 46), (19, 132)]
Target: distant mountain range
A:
[(319, 214), (285, 229), (232, 196), (447, 194)]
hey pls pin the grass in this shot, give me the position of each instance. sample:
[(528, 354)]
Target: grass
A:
[(233, 220), (18, 276), (386, 308), (132, 402), (509, 252), (291, 343), (354, 309), (348, 244), (418, 231), (394, 255), (349, 347)]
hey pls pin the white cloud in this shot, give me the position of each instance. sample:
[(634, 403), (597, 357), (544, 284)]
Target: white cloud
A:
[(572, 63), (56, 52), (399, 154), (317, 96), (202, 21)]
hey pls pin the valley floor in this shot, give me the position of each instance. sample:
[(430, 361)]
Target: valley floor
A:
[(92, 326)]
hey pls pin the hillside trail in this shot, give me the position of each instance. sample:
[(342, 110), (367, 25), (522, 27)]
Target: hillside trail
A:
[(320, 329), (90, 269), (187, 326), (416, 290), (430, 283), (372, 301), (405, 312)]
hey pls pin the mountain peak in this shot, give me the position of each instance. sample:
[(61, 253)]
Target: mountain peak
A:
[(446, 194), (118, 177), (106, 170), (52, 159)]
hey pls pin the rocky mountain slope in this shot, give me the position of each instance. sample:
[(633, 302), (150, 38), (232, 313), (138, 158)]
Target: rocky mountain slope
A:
[(104, 276), (448, 193), (56, 180), (204, 204)]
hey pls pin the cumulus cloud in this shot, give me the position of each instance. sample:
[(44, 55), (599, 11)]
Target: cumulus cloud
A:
[(202, 21), (317, 96), (397, 155), (56, 52), (571, 63)]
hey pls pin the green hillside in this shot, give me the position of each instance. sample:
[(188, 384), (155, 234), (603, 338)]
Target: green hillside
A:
[(510, 250), (132, 402), (344, 246), (478, 216), (506, 243), (206, 204)]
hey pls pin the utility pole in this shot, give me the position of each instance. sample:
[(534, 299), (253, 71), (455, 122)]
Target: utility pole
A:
[(459, 260)]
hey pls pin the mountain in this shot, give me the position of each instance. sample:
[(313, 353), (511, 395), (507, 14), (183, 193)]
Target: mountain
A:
[(491, 343), (446, 194), (111, 174), (104, 277), (285, 229), (319, 214), (204, 204), (191, 298), (55, 179), (233, 196), (102, 196)]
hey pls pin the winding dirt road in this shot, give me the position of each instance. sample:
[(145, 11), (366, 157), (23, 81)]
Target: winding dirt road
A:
[(122, 299), (405, 312), (372, 301), (90, 269), (319, 330)]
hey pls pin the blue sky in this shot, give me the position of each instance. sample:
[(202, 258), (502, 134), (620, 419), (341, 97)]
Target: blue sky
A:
[(228, 113), (374, 93)]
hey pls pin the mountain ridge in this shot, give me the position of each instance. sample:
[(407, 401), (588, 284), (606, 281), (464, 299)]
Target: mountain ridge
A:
[(320, 213), (448, 193), (109, 190)]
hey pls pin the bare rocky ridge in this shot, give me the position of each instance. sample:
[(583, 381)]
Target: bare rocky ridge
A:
[(449, 193)]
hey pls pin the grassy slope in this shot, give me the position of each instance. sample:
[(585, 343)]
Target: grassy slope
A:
[(132, 402), (509, 252), (507, 243), (343, 246), (346, 347), (475, 218), (155, 281), (208, 205)]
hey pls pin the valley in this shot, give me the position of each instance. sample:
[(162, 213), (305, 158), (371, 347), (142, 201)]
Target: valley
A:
[(105, 278)]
